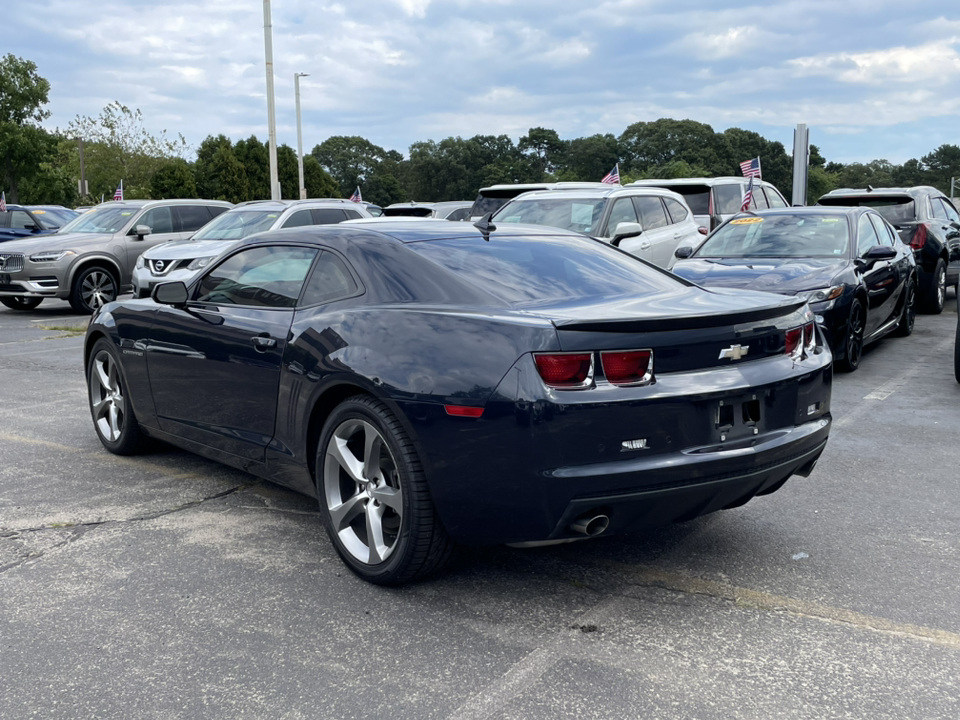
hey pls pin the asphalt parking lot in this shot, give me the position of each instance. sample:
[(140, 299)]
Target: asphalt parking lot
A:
[(166, 586)]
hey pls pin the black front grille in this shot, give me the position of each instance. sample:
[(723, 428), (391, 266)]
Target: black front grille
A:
[(12, 288)]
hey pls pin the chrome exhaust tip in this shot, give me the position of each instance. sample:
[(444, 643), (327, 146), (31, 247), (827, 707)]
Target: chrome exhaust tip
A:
[(591, 526)]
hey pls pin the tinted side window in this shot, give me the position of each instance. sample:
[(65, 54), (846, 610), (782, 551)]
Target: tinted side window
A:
[(328, 216), (192, 217), (299, 219), (939, 211), (773, 197), (159, 220), (623, 211), (330, 280), (866, 235), (215, 210), (258, 276), (727, 198), (460, 214), (678, 213), (952, 213), (21, 220), (652, 215), (882, 231), (352, 214), (759, 201)]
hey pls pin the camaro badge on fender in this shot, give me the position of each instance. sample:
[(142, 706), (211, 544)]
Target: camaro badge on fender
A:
[(734, 352)]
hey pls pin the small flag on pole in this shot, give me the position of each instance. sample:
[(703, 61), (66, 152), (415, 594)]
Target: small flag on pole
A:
[(612, 177), (750, 168), (3, 201), (356, 197), (747, 197), (118, 195)]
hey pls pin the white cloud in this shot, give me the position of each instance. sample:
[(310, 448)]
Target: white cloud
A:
[(414, 8), (931, 64)]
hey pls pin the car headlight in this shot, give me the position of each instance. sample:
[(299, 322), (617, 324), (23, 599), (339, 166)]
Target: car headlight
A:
[(141, 262), (50, 256), (822, 294), (200, 262)]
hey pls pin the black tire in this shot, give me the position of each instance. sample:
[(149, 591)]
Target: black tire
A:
[(853, 339), (415, 543), (93, 287), (908, 315), (110, 406), (21, 303), (937, 292), (956, 352)]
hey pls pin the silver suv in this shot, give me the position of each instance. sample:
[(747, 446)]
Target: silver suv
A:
[(90, 260), (183, 260)]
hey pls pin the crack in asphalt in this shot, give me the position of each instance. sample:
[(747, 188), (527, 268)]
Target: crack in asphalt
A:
[(79, 529)]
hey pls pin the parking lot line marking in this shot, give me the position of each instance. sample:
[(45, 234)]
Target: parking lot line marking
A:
[(889, 388), (649, 576), (39, 352)]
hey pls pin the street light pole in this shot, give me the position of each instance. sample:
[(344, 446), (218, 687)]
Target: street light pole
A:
[(296, 84), (271, 110)]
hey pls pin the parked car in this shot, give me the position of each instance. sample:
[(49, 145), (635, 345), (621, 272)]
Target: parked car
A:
[(182, 260), (927, 221), (714, 200), (848, 263), (450, 210), (435, 383), (956, 341), (495, 197), (27, 221), (57, 215), (374, 210), (649, 223), (90, 260)]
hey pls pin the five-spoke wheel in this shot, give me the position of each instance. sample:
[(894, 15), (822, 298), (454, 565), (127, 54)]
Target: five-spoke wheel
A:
[(113, 418), (853, 343), (374, 498)]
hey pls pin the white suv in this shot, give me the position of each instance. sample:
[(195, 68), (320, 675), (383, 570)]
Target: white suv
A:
[(183, 260), (647, 222)]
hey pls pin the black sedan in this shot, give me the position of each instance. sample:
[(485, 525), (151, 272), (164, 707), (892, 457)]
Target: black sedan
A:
[(433, 383), (859, 278)]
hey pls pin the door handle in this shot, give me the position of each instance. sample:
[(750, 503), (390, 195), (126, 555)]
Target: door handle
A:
[(644, 246), (262, 342)]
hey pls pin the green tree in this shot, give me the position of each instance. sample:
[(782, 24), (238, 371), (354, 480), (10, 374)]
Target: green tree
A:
[(173, 179), (317, 181), (23, 94), (648, 145), (255, 158), (942, 164), (544, 148), (219, 174), (589, 158), (876, 173)]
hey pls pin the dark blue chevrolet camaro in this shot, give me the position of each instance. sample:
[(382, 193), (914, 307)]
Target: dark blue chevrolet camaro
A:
[(435, 383)]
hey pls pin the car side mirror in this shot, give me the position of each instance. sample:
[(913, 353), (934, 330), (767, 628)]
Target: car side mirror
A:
[(141, 231), (880, 252), (682, 253), (170, 293), (625, 230)]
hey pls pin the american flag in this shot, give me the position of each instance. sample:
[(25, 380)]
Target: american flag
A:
[(356, 197), (750, 168), (612, 177), (118, 195), (3, 201), (747, 197)]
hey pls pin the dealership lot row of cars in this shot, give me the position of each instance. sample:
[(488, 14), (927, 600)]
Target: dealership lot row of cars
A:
[(433, 383)]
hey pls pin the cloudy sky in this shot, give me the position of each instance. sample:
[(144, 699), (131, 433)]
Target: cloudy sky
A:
[(872, 78)]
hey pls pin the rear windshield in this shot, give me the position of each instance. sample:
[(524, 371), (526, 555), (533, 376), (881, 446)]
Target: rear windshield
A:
[(894, 209), (779, 236), (237, 224), (539, 270), (408, 211), (576, 214), (490, 201)]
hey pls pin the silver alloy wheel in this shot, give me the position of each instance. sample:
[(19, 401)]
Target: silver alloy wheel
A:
[(98, 289), (361, 486), (106, 397)]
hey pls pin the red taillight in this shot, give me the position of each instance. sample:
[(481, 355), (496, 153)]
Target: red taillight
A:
[(919, 238), (628, 367), (463, 411), (565, 370), (795, 341)]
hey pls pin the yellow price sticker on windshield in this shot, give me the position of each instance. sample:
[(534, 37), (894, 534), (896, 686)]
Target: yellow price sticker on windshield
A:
[(829, 219), (38, 212), (126, 213), (746, 221)]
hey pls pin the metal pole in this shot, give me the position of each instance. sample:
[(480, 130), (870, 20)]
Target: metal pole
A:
[(951, 187), (271, 109), (83, 172), (801, 164), (296, 83)]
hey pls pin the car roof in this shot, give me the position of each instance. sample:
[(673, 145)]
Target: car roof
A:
[(603, 191), (408, 230), (541, 185), (281, 205), (845, 210), (721, 180), (855, 192), (171, 201)]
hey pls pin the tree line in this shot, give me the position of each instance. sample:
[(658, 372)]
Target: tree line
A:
[(41, 166)]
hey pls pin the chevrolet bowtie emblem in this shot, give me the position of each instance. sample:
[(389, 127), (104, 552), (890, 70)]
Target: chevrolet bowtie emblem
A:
[(734, 352)]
